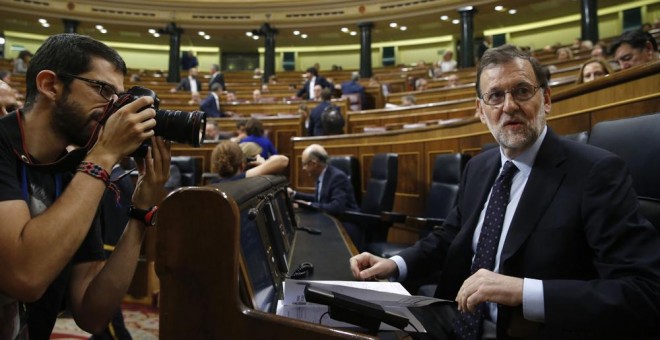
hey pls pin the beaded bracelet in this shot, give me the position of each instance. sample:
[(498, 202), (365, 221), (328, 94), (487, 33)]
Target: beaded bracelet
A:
[(97, 171)]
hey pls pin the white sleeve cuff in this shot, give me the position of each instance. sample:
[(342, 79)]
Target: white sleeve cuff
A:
[(403, 270), (533, 306)]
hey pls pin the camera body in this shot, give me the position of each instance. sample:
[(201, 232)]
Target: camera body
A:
[(174, 125)]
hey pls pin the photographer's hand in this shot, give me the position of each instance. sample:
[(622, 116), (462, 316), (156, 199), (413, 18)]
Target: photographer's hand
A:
[(154, 171), (123, 132)]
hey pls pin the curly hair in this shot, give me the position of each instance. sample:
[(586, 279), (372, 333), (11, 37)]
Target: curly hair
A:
[(227, 159)]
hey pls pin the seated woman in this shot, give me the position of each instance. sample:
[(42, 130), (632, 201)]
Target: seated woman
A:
[(229, 162), (593, 69), (255, 133)]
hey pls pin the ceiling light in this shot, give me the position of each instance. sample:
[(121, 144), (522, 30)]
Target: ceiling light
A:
[(207, 37), (2, 40), (152, 31), (296, 32), (403, 28), (249, 34), (43, 21), (99, 27), (499, 8), (444, 17), (45, 24), (104, 31), (156, 35), (393, 24), (455, 21), (201, 33), (353, 33), (255, 37), (345, 29), (304, 36), (512, 11)]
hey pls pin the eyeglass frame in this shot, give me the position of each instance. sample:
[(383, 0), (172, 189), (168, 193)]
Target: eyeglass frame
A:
[(99, 83), (535, 87)]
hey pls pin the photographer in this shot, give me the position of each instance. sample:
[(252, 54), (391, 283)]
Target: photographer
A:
[(50, 242)]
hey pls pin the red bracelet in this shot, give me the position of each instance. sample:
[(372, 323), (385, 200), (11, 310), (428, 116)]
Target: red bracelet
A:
[(97, 171)]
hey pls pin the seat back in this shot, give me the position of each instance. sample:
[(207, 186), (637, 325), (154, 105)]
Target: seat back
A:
[(354, 101), (381, 186), (447, 171), (351, 167), (637, 141), (580, 137), (191, 170)]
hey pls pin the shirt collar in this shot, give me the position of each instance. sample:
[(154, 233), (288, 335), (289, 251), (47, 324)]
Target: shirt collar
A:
[(322, 174), (525, 160)]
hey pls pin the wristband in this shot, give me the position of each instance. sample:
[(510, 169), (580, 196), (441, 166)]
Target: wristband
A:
[(98, 172), (148, 217)]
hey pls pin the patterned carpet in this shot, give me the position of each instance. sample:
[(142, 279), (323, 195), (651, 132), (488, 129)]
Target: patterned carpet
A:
[(141, 321)]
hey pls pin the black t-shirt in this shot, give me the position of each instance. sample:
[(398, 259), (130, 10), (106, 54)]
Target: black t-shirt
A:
[(41, 186)]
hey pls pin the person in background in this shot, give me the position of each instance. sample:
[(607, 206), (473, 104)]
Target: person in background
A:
[(408, 100), (452, 81), (217, 77), (353, 86), (421, 84), (22, 61), (229, 162), (313, 78), (256, 96), (593, 69), (211, 132), (564, 53), (188, 61), (486, 43), (599, 50), (545, 240), (634, 48), (447, 64), (255, 133), (315, 122), (189, 83), (334, 192), (241, 132), (211, 104)]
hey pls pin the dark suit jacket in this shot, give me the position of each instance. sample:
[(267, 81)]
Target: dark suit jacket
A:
[(210, 106), (218, 78), (185, 85), (304, 91), (315, 127), (576, 228), (337, 193)]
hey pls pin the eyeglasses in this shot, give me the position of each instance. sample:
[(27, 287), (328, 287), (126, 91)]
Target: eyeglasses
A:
[(105, 90), (520, 93)]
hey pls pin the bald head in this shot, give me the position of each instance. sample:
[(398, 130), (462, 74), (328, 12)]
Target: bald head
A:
[(316, 152)]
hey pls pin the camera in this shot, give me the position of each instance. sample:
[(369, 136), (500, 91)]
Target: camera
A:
[(174, 125)]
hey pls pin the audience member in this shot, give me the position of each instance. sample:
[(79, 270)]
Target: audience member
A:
[(241, 132), (135, 78), (334, 193), (231, 97), (217, 77), (570, 254), (634, 48), (189, 83), (255, 133), (599, 50), (317, 93), (211, 132), (256, 96), (353, 85), (564, 53), (211, 104), (485, 44), (49, 235), (586, 45), (188, 61), (593, 69), (315, 122), (452, 81), (421, 84), (408, 100), (265, 88), (447, 64), (313, 78), (22, 61), (272, 79), (229, 162)]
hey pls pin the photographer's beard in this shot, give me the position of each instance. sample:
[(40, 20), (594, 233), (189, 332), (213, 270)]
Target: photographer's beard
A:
[(71, 122)]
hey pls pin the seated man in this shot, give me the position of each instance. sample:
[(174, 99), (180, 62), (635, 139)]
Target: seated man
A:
[(334, 193), (634, 48), (553, 248), (211, 104)]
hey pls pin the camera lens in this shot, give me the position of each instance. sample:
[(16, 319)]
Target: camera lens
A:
[(181, 126)]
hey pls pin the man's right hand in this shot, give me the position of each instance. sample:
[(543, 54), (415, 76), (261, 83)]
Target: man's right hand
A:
[(367, 266), (124, 131)]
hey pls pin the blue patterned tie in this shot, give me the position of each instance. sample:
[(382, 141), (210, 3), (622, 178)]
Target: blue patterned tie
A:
[(469, 325), (318, 192)]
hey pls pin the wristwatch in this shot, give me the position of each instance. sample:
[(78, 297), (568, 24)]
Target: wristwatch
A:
[(148, 217)]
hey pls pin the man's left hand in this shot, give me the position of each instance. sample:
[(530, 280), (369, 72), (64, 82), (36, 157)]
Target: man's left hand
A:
[(487, 286), (154, 171)]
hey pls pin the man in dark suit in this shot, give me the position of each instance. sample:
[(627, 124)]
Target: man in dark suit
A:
[(313, 78), (315, 127), (334, 193), (353, 87), (211, 104), (572, 257), (217, 77), (189, 83)]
